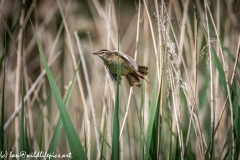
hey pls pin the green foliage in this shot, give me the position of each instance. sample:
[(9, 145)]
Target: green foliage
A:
[(154, 143), (152, 135), (161, 39), (22, 126), (57, 131), (2, 107), (236, 111), (73, 139), (116, 131), (220, 71)]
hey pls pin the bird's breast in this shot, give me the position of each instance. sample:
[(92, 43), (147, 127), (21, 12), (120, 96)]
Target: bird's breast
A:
[(113, 64)]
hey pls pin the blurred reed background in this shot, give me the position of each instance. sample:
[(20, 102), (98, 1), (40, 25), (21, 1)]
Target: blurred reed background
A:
[(191, 48)]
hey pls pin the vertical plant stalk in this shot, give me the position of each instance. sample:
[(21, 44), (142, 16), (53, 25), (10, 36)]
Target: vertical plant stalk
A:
[(228, 86), (115, 131), (145, 113), (176, 109), (198, 126), (3, 100), (161, 77), (102, 128), (29, 117), (18, 70), (153, 38), (45, 111), (116, 128), (88, 87), (211, 79), (232, 78), (106, 90), (161, 59), (108, 26), (225, 104), (193, 107), (195, 84), (218, 101), (43, 105), (172, 67), (78, 78), (45, 114), (22, 140), (28, 112), (236, 60), (195, 50), (135, 57), (169, 44), (182, 32), (1, 8)]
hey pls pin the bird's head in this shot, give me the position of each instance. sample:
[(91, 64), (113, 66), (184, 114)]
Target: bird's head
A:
[(104, 54)]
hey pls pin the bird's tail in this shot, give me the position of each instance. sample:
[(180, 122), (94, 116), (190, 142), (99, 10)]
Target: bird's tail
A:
[(133, 79), (143, 70)]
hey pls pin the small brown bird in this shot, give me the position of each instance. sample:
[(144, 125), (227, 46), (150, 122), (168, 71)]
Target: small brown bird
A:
[(129, 67)]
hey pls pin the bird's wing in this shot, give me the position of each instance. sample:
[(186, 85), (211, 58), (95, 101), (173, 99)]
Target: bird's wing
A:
[(114, 76), (126, 57)]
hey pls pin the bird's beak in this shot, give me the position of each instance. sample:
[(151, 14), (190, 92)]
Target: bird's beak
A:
[(96, 53)]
